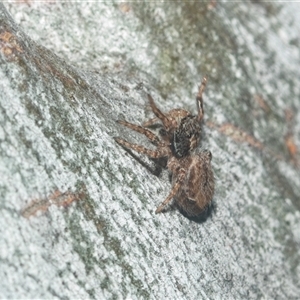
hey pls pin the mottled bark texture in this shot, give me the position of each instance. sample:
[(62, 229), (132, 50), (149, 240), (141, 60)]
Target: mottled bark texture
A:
[(77, 211)]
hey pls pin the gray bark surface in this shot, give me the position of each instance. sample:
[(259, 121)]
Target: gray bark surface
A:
[(77, 211)]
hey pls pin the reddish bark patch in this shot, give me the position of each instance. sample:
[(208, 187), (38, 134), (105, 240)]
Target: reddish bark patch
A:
[(56, 198)]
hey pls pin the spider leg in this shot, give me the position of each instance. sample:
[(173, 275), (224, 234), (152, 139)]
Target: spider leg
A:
[(174, 191), (151, 122), (141, 149), (166, 122), (199, 99), (150, 135)]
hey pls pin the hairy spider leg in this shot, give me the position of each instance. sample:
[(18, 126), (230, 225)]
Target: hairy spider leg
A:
[(165, 120), (174, 191), (199, 99), (151, 122), (163, 152), (150, 135)]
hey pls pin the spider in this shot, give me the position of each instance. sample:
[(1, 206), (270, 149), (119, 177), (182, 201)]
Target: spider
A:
[(192, 176)]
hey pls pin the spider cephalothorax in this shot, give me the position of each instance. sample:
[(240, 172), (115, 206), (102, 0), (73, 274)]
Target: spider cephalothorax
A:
[(192, 175), (186, 137)]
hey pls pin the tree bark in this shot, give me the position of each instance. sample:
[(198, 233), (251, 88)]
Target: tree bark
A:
[(77, 210)]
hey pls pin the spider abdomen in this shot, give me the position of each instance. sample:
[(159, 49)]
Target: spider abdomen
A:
[(197, 191)]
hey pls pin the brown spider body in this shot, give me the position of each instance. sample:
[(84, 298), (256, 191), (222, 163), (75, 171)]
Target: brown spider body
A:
[(192, 175)]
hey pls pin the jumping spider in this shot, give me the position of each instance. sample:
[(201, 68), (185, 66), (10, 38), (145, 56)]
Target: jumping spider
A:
[(192, 175)]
